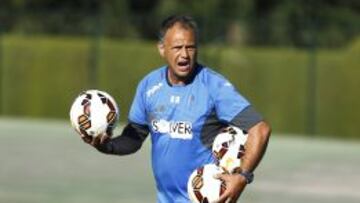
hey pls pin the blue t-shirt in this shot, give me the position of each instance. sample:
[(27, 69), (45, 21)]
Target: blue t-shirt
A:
[(183, 121)]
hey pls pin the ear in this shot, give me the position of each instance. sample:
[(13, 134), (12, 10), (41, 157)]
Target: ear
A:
[(161, 49)]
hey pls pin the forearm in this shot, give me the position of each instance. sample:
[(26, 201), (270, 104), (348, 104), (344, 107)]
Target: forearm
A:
[(255, 147), (128, 142)]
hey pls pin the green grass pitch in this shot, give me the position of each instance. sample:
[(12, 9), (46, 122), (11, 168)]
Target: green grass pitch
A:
[(45, 161)]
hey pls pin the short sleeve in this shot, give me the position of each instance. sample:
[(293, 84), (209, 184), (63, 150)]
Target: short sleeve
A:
[(228, 101), (137, 113)]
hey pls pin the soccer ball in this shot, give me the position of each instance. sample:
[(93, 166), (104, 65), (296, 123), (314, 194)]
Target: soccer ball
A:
[(203, 187), (94, 112), (229, 147)]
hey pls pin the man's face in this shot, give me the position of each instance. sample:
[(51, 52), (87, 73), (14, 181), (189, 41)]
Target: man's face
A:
[(179, 49)]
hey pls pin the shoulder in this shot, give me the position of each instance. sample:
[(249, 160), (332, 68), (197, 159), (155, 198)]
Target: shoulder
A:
[(211, 78), (154, 78), (157, 74)]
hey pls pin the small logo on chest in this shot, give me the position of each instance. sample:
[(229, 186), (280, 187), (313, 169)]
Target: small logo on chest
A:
[(174, 99)]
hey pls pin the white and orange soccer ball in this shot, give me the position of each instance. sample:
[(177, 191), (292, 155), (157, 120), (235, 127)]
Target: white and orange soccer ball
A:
[(229, 147), (203, 187), (94, 112)]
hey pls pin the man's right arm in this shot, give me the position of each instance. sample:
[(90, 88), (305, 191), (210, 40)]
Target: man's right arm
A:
[(128, 142)]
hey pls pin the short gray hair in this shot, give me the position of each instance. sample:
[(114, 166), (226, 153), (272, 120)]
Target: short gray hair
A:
[(185, 21)]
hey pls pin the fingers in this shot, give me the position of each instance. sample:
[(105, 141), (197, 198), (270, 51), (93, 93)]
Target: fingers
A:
[(227, 198), (222, 176), (86, 138), (94, 141), (233, 200), (104, 138), (224, 198), (233, 189), (99, 139)]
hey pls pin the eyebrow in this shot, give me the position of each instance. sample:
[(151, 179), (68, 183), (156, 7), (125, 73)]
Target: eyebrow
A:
[(186, 46)]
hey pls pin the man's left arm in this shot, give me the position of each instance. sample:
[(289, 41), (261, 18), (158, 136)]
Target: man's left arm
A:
[(255, 147)]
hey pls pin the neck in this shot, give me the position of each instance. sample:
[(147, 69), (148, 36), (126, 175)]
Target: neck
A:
[(176, 80)]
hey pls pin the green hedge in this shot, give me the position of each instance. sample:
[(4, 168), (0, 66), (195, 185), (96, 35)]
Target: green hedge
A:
[(42, 75)]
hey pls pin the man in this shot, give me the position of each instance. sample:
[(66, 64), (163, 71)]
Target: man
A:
[(184, 105)]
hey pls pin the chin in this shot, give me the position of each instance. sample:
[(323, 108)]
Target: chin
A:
[(185, 73), (183, 76)]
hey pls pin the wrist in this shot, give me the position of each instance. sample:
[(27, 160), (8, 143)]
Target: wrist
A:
[(249, 176)]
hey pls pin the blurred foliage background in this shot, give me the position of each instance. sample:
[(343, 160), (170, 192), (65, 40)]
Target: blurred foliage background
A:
[(296, 61), (252, 22)]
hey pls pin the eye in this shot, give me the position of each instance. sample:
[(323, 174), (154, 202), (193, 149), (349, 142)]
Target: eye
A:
[(176, 48), (191, 47)]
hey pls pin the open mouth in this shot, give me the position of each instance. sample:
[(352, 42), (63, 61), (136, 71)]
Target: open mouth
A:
[(184, 65)]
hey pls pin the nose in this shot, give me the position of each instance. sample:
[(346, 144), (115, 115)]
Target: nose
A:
[(184, 52)]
